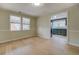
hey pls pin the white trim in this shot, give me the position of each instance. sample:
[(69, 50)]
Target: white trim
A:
[(74, 44)]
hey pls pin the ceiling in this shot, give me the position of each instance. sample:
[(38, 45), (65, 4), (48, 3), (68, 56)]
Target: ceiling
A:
[(32, 10)]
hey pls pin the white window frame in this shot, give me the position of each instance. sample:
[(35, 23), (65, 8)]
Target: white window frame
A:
[(21, 23), (27, 24), (15, 22)]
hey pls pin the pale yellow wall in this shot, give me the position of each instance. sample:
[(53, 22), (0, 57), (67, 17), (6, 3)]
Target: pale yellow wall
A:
[(6, 34), (73, 16)]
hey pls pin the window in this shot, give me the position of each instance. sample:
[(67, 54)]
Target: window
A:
[(15, 23), (25, 23), (59, 24)]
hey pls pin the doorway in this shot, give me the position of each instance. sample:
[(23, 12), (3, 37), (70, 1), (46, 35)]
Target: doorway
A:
[(59, 27)]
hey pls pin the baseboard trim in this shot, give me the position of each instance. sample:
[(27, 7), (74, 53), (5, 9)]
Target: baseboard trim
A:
[(73, 44), (16, 39)]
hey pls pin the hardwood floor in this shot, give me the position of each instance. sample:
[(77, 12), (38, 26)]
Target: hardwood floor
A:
[(37, 46)]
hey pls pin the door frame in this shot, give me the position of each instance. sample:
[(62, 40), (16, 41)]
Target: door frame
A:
[(67, 29)]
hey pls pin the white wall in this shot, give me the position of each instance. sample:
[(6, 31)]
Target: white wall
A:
[(43, 27)]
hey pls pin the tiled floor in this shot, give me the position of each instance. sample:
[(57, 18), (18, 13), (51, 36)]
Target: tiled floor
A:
[(38, 46)]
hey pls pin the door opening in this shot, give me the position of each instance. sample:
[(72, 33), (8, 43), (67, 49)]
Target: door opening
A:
[(59, 27)]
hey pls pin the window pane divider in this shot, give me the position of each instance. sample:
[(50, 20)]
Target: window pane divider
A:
[(15, 22), (21, 23)]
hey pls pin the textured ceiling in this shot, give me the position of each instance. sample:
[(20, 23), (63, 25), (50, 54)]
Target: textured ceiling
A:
[(30, 9)]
